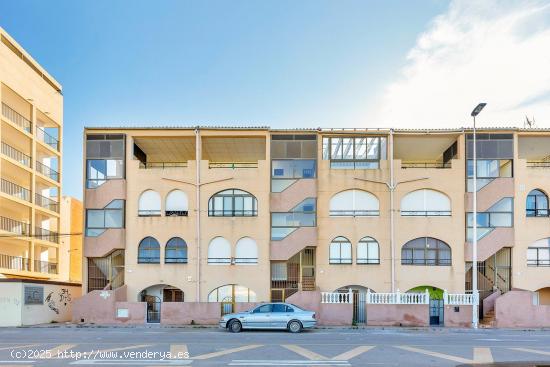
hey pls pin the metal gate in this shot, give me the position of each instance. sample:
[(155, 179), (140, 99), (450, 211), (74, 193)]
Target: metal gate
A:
[(436, 312), (227, 305), (153, 309), (359, 307)]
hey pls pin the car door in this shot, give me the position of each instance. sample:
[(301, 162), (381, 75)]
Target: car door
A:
[(279, 316), (260, 317)]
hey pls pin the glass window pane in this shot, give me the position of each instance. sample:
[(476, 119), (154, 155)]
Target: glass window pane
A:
[(360, 148), (373, 251), (113, 219), (95, 219), (373, 148), (347, 148), (336, 148), (346, 250), (334, 251), (326, 148), (97, 169)]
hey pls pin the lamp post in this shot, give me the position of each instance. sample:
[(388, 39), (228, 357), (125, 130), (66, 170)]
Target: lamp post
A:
[(475, 292)]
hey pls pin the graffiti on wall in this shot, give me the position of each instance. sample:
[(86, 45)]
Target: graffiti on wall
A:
[(61, 299)]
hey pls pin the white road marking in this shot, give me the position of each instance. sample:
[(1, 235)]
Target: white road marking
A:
[(19, 346), (435, 354), (134, 362), (353, 353), (318, 357), (534, 351), (483, 355), (275, 362), (97, 352), (179, 349), (226, 351), (52, 353)]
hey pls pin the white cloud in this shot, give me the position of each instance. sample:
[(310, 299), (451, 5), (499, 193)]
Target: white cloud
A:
[(478, 51)]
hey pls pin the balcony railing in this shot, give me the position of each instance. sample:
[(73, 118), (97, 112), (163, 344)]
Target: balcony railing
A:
[(16, 155), (46, 138), (149, 213), (425, 213), (15, 190), (45, 267), (149, 165), (14, 262), (538, 164), (354, 213), (47, 171), (46, 235), (46, 203), (15, 226), (16, 118), (425, 165), (232, 165)]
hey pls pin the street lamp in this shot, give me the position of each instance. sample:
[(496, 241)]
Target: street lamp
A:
[(475, 293)]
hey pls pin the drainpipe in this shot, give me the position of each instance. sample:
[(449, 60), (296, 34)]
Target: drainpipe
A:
[(392, 225), (198, 160)]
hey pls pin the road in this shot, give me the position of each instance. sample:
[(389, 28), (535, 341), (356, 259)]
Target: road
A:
[(144, 346)]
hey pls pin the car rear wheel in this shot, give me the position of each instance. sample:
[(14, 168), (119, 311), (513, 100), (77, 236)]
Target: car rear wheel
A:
[(294, 326), (235, 326)]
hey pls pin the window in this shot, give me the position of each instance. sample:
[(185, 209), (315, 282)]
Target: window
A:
[(354, 203), (293, 168), (426, 251), (246, 251), (175, 251), (170, 294), (368, 251), (538, 253), (98, 220), (149, 251), (232, 293), (354, 152), (488, 170), (499, 215), (263, 309), (425, 202), (219, 251), (149, 204), (302, 215), (104, 158), (232, 203), (176, 204), (279, 307), (340, 251), (106, 271), (537, 204)]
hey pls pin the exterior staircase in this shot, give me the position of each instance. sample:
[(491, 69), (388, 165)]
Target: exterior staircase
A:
[(488, 320)]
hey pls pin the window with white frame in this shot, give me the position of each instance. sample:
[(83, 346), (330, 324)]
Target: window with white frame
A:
[(537, 204), (246, 251), (538, 253), (99, 220), (340, 251), (219, 251), (176, 204), (368, 251), (149, 204), (425, 203), (149, 251), (354, 152), (426, 251), (175, 251), (233, 203), (354, 203)]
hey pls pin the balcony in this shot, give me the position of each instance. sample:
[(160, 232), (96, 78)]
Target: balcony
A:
[(46, 138), (13, 189), (45, 267), (46, 203), (16, 118), (161, 165), (46, 235), (15, 262), (538, 164), (47, 171), (16, 155), (15, 226), (233, 165), (426, 165)]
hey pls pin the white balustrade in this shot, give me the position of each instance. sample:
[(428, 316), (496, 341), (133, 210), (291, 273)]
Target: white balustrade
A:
[(457, 299), (332, 297), (398, 298)]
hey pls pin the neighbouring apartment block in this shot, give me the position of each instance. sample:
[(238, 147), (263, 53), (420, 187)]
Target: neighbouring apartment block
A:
[(33, 277), (183, 224)]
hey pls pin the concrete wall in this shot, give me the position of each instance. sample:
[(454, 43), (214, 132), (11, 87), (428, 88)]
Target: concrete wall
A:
[(137, 312), (325, 313), (516, 309), (462, 317), (11, 298), (398, 315), (183, 313)]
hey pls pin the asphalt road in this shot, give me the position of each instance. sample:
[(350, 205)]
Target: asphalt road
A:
[(143, 346)]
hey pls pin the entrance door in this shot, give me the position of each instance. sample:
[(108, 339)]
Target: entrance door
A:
[(153, 308), (436, 312), (359, 307), (227, 305)]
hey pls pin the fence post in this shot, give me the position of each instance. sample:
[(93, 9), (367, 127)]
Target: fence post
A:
[(397, 298), (350, 296), (427, 295), (445, 297), (368, 295)]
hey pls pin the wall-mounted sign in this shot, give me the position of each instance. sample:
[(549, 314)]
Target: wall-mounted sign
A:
[(34, 295)]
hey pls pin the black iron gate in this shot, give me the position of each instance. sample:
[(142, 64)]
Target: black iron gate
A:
[(153, 309), (227, 305), (436, 312), (359, 307)]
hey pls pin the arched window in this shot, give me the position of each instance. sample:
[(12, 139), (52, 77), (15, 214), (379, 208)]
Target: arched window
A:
[(426, 251), (175, 251), (176, 204), (340, 251), (232, 293), (537, 204), (354, 203), (368, 251), (219, 251), (149, 251), (425, 202), (246, 251), (149, 204), (538, 253), (232, 203)]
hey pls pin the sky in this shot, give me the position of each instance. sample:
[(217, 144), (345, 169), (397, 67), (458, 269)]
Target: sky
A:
[(287, 63)]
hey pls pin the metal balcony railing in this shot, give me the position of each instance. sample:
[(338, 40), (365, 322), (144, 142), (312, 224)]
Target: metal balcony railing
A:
[(425, 165), (538, 164), (16, 155), (149, 165), (45, 267), (232, 165), (46, 235), (16, 118), (46, 138), (46, 203), (15, 226), (15, 190), (47, 171), (14, 262)]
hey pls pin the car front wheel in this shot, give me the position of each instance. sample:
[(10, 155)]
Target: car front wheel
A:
[(294, 326), (235, 326)]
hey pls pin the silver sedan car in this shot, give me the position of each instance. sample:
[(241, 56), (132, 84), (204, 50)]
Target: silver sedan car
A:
[(270, 316)]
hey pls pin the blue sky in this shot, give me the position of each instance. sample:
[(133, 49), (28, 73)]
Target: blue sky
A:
[(277, 63)]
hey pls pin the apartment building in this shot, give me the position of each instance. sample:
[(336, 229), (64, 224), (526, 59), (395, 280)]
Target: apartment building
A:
[(243, 215)]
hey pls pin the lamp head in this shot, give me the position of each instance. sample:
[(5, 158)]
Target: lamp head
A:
[(478, 109)]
